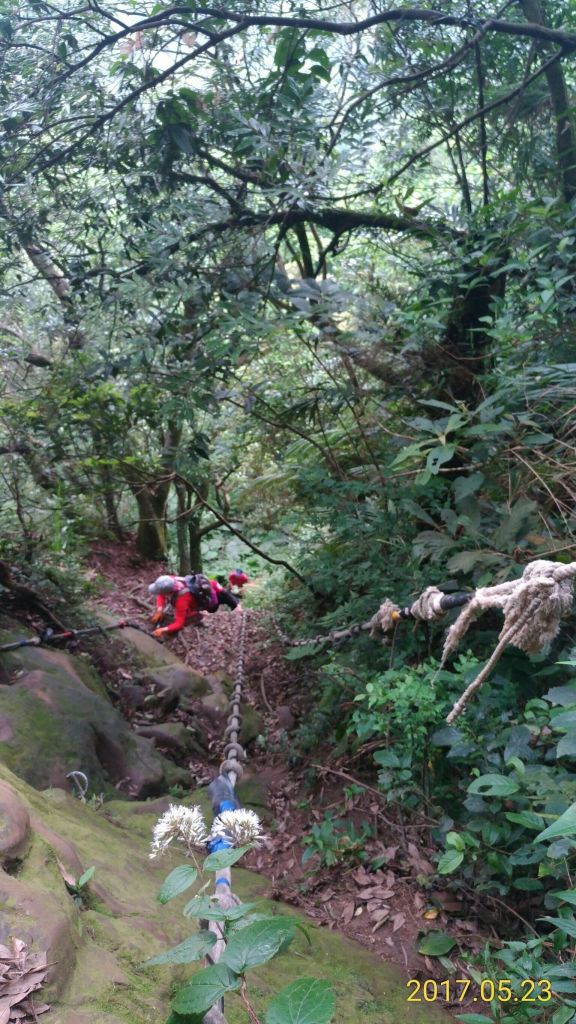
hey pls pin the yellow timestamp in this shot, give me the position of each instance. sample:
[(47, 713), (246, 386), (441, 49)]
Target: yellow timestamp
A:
[(456, 990)]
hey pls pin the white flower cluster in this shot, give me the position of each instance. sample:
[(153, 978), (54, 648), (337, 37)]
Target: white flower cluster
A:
[(239, 827), (185, 824)]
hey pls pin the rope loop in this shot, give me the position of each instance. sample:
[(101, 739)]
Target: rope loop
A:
[(228, 765)]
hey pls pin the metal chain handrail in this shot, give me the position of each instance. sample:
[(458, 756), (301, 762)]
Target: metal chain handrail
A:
[(230, 771)]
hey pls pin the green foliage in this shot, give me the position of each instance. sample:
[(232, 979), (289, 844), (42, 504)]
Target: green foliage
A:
[(306, 1001), (177, 882), (336, 841), (79, 890), (253, 268), (250, 938), (539, 971), (436, 944)]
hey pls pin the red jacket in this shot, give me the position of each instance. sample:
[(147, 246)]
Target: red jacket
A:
[(237, 579), (185, 606)]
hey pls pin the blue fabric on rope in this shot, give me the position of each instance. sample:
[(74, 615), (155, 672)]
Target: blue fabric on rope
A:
[(219, 844), (226, 805)]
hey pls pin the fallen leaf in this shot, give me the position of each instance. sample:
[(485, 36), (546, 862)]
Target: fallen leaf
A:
[(68, 878), (417, 859), (326, 896), (348, 912)]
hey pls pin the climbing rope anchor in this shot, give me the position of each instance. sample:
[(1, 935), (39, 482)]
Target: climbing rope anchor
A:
[(533, 607)]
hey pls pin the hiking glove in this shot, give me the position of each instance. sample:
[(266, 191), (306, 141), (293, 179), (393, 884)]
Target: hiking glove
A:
[(157, 617), (159, 632)]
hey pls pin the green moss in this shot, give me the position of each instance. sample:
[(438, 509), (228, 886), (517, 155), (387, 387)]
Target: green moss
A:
[(128, 926)]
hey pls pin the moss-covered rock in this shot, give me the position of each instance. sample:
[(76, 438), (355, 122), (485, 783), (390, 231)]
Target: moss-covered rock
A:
[(55, 717), (96, 953), (252, 725), (175, 684)]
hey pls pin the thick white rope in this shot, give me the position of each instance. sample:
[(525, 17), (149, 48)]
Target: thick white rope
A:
[(533, 607)]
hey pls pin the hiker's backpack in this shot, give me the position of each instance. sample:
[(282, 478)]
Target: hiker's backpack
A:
[(201, 589)]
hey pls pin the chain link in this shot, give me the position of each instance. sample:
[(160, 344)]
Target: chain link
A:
[(234, 752), (333, 637)]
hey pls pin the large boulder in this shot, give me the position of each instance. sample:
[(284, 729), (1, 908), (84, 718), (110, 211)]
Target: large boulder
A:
[(95, 950), (55, 718), (175, 685)]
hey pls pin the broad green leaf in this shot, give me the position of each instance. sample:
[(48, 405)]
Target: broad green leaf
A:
[(493, 785), (464, 561), (438, 456), (449, 861), (320, 56), (224, 858), (319, 72), (465, 485), (177, 882), (306, 1001), (563, 695), (85, 878), (303, 651), (526, 818), (565, 924), (243, 922), (567, 746), (564, 721), (527, 884), (258, 943), (193, 948), (181, 136), (205, 907), (455, 841), (566, 895), (205, 989), (564, 826), (474, 1018), (436, 944), (563, 1015)]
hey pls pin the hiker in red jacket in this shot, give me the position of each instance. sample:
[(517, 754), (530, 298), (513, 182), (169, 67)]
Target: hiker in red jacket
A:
[(172, 590), (238, 578), (188, 599)]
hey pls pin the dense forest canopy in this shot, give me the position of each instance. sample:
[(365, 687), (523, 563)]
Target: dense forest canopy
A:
[(302, 275)]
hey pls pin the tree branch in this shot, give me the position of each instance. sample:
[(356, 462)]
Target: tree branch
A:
[(403, 14), (237, 533), (541, 70)]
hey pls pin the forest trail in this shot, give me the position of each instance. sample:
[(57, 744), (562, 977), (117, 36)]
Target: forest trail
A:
[(381, 908)]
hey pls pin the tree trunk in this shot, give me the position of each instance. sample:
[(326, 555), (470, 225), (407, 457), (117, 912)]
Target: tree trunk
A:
[(182, 537), (465, 352), (565, 132), (195, 541), (152, 498), (151, 539), (112, 521)]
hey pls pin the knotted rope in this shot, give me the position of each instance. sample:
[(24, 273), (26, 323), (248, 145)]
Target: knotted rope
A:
[(533, 607)]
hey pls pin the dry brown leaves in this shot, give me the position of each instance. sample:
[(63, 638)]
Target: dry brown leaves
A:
[(375, 891), (21, 974)]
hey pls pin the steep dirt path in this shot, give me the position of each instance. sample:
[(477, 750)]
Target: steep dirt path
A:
[(374, 892)]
